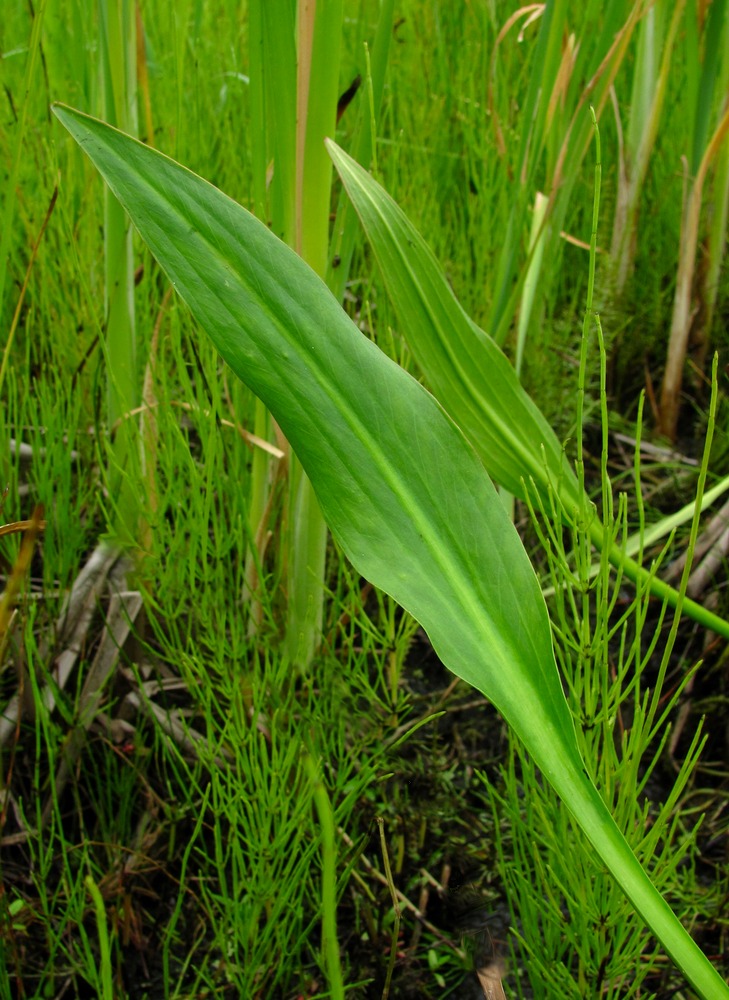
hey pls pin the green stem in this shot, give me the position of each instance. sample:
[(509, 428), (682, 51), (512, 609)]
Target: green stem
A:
[(658, 588), (594, 818), (319, 32), (107, 991), (117, 57), (330, 943)]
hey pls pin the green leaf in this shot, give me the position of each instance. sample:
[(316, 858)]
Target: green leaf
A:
[(402, 490), (471, 377), (465, 368)]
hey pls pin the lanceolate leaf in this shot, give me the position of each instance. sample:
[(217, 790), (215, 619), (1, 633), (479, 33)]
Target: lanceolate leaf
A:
[(468, 373), (465, 368), (403, 492)]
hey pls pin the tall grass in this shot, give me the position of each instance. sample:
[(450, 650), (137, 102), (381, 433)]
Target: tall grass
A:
[(118, 105)]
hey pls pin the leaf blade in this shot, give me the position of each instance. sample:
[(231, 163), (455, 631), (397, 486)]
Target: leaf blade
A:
[(403, 491), (464, 367), (397, 481)]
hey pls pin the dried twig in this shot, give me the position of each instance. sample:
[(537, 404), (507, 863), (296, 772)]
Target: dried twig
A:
[(73, 622), (418, 914), (123, 611)]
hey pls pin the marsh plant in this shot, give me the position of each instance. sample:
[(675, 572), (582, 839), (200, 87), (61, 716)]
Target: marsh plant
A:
[(202, 729), (369, 437)]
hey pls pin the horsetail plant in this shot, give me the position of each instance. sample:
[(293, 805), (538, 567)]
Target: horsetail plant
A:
[(401, 488)]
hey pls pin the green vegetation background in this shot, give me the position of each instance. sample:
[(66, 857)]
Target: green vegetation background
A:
[(204, 846)]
